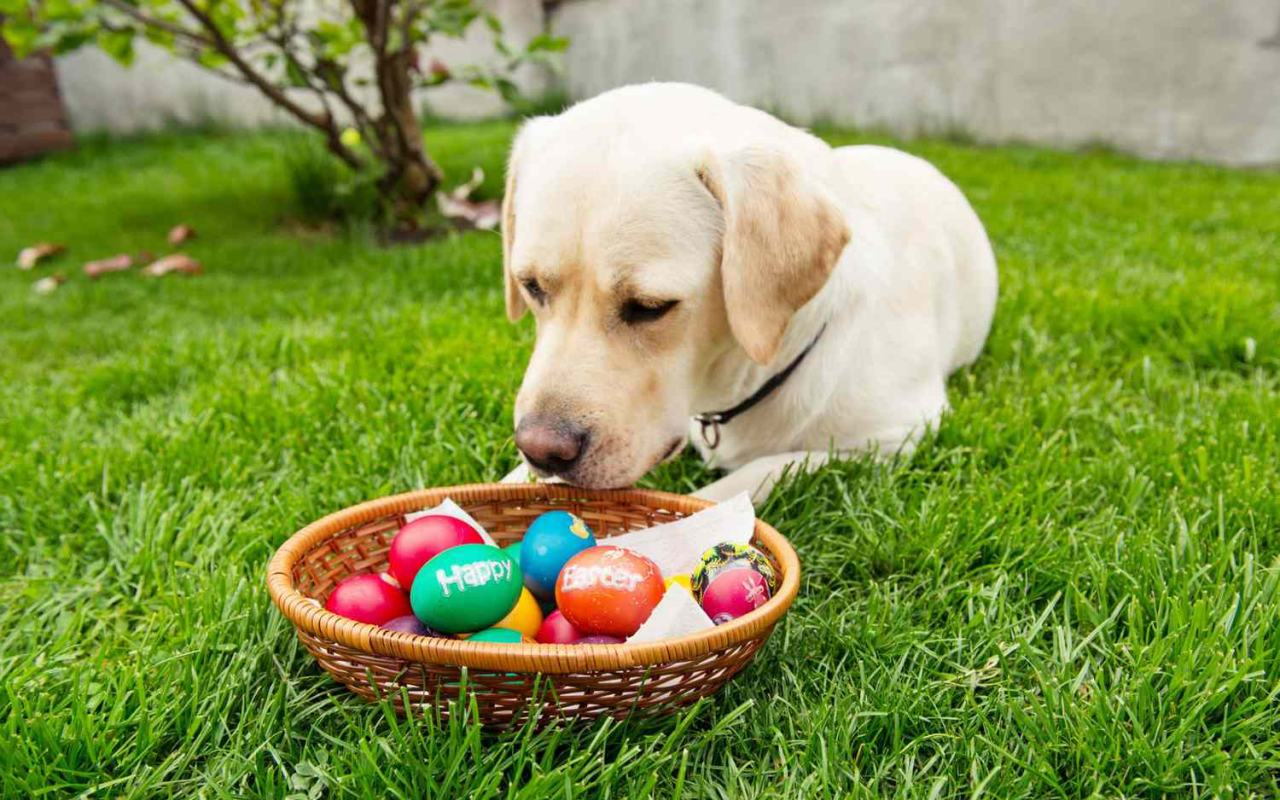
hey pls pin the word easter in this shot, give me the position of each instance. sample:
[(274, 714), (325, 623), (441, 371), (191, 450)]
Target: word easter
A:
[(605, 576), (477, 573)]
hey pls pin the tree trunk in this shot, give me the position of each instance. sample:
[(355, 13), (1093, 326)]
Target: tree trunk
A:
[(411, 177)]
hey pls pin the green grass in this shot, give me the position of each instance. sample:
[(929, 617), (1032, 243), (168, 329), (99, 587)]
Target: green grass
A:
[(1070, 590)]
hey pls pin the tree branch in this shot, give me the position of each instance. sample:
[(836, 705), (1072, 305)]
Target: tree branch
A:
[(176, 31), (323, 122)]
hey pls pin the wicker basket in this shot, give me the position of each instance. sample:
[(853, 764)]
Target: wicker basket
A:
[(542, 680)]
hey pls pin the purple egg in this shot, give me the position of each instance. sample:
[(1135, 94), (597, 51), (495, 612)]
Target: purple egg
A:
[(599, 639), (720, 619), (411, 624)]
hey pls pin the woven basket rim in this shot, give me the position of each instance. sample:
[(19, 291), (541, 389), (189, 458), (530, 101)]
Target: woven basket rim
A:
[(309, 616)]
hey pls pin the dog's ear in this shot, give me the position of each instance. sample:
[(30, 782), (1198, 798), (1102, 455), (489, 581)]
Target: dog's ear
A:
[(515, 301), (782, 238)]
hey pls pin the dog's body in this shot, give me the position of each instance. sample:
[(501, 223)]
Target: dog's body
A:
[(679, 250)]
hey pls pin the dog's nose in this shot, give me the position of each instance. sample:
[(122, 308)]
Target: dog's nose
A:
[(551, 445)]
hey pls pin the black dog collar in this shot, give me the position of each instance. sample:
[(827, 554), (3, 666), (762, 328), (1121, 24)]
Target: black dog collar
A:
[(712, 421)]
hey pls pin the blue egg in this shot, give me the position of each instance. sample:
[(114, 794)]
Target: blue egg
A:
[(552, 539)]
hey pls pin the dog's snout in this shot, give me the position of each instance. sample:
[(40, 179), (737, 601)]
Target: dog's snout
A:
[(549, 444)]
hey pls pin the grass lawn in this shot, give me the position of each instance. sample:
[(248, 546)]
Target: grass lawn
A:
[(1070, 590)]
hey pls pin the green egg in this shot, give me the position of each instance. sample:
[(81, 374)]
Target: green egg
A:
[(466, 588), (497, 636), (513, 550)]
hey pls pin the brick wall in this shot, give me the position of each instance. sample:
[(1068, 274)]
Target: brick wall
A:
[(32, 119)]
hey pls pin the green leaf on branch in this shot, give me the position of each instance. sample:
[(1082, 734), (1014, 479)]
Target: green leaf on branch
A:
[(295, 74), (335, 40), (546, 43), (159, 37), (20, 36), (509, 91), (118, 44), (211, 59)]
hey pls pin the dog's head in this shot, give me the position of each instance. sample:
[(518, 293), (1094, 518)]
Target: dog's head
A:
[(645, 250)]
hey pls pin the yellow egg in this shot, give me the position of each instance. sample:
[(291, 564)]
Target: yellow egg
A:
[(525, 616), (681, 580)]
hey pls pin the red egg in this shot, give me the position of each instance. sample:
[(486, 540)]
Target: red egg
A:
[(556, 629), (608, 590), (422, 540), (734, 592), (368, 598)]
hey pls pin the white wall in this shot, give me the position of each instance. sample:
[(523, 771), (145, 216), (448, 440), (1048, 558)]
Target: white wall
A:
[(159, 89), (1162, 78)]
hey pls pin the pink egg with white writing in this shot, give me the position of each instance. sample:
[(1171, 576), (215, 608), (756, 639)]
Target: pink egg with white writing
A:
[(733, 593)]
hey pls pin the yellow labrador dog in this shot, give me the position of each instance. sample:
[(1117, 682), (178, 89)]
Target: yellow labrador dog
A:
[(700, 269)]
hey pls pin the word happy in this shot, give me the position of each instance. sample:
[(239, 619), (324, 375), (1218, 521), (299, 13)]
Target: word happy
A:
[(477, 573), (604, 576)]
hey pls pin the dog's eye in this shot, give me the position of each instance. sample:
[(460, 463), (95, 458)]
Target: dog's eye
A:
[(535, 290), (635, 312)]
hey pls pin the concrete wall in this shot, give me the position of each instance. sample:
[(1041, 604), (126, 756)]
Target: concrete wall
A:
[(1161, 78), (159, 89)]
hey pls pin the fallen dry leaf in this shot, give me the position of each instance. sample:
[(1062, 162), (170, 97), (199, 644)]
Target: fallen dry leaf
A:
[(456, 205), (104, 265), (30, 256), (176, 262), (49, 283), (181, 233)]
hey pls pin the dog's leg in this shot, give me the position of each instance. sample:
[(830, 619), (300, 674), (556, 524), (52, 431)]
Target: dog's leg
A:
[(759, 476)]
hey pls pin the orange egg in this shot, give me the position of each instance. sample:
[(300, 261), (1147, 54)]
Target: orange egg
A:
[(608, 590)]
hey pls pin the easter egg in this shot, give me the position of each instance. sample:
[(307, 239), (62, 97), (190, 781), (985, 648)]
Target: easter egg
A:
[(735, 592), (731, 555), (599, 639), (368, 598), (465, 588), (422, 540), (524, 616), (608, 590), (498, 635), (555, 629), (513, 550), (682, 581), (411, 624), (550, 542)]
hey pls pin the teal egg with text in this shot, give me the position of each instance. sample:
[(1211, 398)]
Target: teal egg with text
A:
[(466, 588)]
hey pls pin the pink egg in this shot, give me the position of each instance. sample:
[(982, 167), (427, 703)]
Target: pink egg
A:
[(735, 592), (600, 639), (556, 629), (369, 598), (411, 624), (422, 540)]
